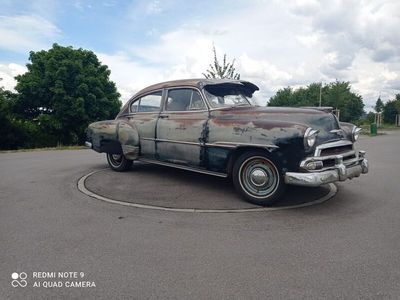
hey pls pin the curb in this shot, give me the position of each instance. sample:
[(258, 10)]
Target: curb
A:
[(82, 188)]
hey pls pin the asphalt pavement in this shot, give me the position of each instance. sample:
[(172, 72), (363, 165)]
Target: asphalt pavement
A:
[(345, 248), (181, 190)]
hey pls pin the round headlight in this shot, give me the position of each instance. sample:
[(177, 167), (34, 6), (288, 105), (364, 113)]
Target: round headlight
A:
[(355, 133), (310, 137), (311, 140)]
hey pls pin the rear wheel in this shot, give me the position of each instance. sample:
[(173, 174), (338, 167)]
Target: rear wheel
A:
[(258, 178), (118, 162)]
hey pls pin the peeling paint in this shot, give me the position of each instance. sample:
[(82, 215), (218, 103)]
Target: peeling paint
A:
[(191, 137)]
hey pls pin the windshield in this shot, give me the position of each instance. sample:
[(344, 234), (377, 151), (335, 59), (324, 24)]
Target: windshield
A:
[(227, 98)]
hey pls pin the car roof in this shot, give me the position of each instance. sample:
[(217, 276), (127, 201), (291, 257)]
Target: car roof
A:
[(195, 82)]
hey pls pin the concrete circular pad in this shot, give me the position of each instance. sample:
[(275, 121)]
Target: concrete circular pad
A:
[(163, 188)]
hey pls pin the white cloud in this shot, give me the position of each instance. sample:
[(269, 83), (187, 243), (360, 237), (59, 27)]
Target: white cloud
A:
[(132, 75), (263, 53), (275, 43), (23, 33), (7, 74), (373, 79), (153, 7), (280, 43), (168, 61), (129, 75)]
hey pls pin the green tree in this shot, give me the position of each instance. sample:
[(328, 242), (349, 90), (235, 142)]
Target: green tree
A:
[(336, 94), (379, 105), (9, 132), (283, 97), (391, 109), (64, 90), (370, 117), (397, 101), (308, 96), (15, 133), (340, 96), (226, 70)]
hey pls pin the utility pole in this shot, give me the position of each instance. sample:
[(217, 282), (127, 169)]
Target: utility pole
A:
[(320, 94)]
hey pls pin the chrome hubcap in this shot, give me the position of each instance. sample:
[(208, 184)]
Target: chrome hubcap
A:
[(116, 157), (258, 177)]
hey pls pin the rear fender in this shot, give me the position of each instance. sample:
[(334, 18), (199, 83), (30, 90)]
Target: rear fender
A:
[(115, 137), (129, 139)]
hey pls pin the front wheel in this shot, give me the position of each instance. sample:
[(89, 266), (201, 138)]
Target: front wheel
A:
[(258, 178), (118, 162)]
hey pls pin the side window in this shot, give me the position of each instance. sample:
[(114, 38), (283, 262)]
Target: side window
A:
[(184, 100), (196, 102), (150, 103), (134, 106)]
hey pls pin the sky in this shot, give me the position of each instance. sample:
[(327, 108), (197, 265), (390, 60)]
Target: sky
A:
[(275, 44)]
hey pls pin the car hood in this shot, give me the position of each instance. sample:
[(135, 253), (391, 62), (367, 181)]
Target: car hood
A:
[(323, 121)]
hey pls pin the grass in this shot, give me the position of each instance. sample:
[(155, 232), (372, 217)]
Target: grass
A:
[(74, 147), (383, 126), (372, 135), (383, 129)]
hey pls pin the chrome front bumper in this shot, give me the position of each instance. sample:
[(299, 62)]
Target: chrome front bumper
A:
[(339, 172)]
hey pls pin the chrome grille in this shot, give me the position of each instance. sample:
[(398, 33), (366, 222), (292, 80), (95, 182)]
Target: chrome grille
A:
[(329, 153), (336, 150)]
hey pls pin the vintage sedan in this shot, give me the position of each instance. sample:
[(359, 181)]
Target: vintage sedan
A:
[(213, 127)]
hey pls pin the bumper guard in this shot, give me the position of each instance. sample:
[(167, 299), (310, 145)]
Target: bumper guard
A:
[(339, 172)]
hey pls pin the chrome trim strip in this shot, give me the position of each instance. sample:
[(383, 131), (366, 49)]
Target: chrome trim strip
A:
[(229, 107), (147, 139), (175, 112), (178, 142), (220, 145), (215, 144), (333, 156), (336, 130), (331, 145), (151, 161), (340, 172), (304, 163), (236, 144), (140, 113), (171, 141)]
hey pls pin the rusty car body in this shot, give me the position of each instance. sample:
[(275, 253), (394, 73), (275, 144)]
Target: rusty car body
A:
[(212, 127)]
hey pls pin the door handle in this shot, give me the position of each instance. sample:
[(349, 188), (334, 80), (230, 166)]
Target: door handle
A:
[(164, 116)]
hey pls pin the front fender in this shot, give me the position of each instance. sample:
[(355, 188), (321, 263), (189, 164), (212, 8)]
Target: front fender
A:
[(347, 129), (283, 139)]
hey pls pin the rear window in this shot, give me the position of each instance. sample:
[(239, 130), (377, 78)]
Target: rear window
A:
[(148, 103)]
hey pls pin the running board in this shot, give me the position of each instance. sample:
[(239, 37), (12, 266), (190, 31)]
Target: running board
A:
[(156, 162)]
